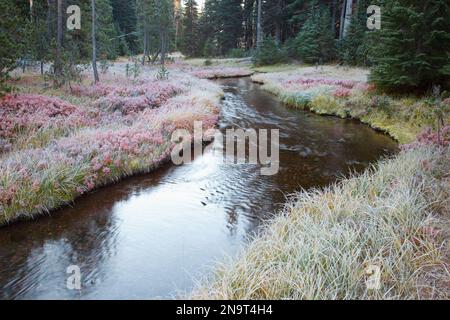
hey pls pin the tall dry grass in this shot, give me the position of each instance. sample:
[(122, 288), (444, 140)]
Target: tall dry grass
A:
[(394, 216)]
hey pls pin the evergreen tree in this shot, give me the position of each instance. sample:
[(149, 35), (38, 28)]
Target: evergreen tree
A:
[(354, 48), (268, 53), (230, 25), (10, 39), (156, 27), (315, 41), (189, 40), (412, 45), (108, 41), (124, 17), (207, 30)]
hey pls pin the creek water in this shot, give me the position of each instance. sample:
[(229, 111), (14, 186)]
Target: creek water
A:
[(153, 236)]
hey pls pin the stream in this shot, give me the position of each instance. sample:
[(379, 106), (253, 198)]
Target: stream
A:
[(155, 235)]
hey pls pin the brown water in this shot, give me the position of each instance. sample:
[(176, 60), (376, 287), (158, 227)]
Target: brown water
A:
[(151, 236)]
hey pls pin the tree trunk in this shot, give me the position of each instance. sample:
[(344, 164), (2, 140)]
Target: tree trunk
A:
[(59, 36), (249, 17), (163, 47), (333, 17), (278, 22), (145, 40), (341, 21), (258, 25), (94, 44), (348, 17)]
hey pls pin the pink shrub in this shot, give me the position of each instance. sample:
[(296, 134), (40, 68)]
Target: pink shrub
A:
[(130, 98), (342, 93), (135, 137), (320, 81), (32, 111), (430, 137)]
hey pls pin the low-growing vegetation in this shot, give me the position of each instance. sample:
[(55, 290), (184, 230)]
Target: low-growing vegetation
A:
[(327, 243), (345, 93), (54, 151)]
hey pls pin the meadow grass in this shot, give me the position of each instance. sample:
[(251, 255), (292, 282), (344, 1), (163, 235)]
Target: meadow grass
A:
[(393, 217), (346, 94), (54, 151)]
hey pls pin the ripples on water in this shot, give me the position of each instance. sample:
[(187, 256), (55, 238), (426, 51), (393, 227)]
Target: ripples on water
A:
[(149, 236)]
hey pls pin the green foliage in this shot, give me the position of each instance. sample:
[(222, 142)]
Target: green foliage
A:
[(108, 43), (124, 16), (315, 41), (190, 33), (269, 53), (237, 53), (222, 26), (355, 47), (133, 70), (10, 39), (163, 73), (413, 45), (210, 49), (155, 25)]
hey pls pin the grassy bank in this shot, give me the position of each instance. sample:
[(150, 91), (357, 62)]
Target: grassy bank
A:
[(56, 145), (344, 92), (393, 217)]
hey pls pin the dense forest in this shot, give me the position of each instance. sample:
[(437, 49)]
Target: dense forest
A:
[(410, 51)]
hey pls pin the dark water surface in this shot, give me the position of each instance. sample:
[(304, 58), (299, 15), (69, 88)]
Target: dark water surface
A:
[(150, 236)]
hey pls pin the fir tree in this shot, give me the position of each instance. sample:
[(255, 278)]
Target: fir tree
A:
[(10, 39), (412, 45), (124, 16), (268, 53), (230, 24), (107, 37), (354, 48), (189, 40), (315, 41)]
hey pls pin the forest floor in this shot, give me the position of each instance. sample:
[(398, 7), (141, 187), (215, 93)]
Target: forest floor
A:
[(388, 226)]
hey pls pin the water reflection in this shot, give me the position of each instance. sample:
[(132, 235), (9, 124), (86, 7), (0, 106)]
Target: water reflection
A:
[(149, 236)]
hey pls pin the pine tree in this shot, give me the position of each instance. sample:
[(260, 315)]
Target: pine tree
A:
[(315, 41), (107, 36), (209, 29), (156, 27), (10, 39), (124, 17), (268, 53), (412, 45), (189, 39), (354, 48), (230, 24)]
